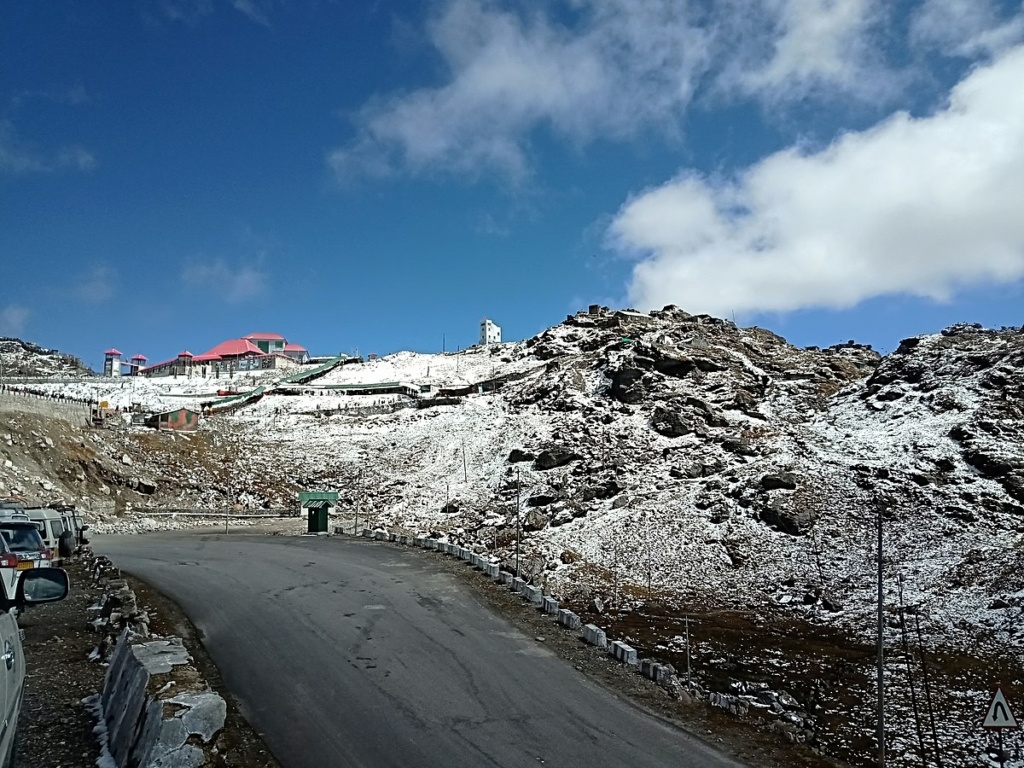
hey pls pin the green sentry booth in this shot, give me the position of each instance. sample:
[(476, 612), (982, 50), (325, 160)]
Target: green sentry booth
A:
[(317, 505)]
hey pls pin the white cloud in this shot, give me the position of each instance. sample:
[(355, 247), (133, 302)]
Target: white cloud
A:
[(189, 12), (966, 28), (921, 206), (235, 284), (14, 156), (17, 157), (76, 158), (98, 286), (13, 319), (624, 66), (254, 9), (608, 69), (787, 49)]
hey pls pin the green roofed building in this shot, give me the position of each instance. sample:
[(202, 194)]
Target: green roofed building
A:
[(318, 505)]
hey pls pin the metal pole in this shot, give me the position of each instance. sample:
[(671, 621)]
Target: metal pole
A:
[(881, 652), (1002, 758), (517, 521), (359, 495), (687, 621), (910, 676), (927, 690), (465, 471)]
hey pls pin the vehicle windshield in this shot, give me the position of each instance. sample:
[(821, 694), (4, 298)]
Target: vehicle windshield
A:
[(57, 526), (22, 538)]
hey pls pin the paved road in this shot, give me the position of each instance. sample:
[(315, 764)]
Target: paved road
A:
[(350, 653)]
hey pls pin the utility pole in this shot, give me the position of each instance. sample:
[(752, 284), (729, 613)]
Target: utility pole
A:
[(910, 673), (686, 620), (359, 491), (518, 526), (881, 652), (465, 471)]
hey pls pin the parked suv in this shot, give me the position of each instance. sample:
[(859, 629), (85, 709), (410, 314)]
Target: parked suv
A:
[(21, 548), (40, 585), (51, 527), (73, 522)]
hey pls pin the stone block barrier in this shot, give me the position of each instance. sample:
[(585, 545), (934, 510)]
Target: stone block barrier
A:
[(659, 673), (380, 535), (139, 729), (517, 584), (505, 577), (368, 533), (549, 605), (491, 569), (568, 619), (392, 536), (594, 635), (624, 653), (533, 594), (420, 541)]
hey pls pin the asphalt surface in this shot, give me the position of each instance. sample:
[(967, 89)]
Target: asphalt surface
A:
[(354, 653)]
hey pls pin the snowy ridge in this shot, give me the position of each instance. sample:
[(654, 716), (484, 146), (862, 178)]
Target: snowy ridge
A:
[(678, 456)]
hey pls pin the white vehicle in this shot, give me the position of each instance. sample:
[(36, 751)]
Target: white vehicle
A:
[(21, 549), (73, 522), (40, 585), (51, 527)]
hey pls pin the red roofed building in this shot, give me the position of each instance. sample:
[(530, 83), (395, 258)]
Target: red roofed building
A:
[(296, 353), (269, 343), (136, 364), (112, 362), (255, 352)]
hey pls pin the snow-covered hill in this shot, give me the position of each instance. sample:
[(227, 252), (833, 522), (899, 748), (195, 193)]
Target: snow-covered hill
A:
[(670, 463), (23, 359)]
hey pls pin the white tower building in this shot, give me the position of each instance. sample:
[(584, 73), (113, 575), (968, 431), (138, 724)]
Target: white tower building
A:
[(489, 332)]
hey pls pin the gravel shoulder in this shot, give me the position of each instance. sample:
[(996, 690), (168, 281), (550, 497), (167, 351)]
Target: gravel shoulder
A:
[(733, 737)]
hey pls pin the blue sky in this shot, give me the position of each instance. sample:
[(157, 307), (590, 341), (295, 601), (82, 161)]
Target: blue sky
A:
[(374, 176)]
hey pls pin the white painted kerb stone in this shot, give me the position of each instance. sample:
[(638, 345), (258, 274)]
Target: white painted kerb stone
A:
[(594, 635)]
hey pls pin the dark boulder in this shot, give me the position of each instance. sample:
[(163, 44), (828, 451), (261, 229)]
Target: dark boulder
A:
[(1013, 484), (603, 491), (739, 447), (516, 455), (627, 385), (554, 457), (541, 500), (989, 464), (783, 480), (782, 515), (711, 415), (535, 520), (680, 367), (670, 423)]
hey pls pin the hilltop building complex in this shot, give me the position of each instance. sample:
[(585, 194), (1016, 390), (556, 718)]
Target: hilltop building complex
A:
[(257, 351)]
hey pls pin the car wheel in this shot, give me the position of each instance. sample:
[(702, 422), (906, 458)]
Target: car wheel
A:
[(66, 544)]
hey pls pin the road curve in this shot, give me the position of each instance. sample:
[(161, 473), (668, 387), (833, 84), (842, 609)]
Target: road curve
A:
[(356, 654)]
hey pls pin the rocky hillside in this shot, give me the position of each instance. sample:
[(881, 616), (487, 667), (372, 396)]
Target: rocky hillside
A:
[(669, 463), (24, 359)]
